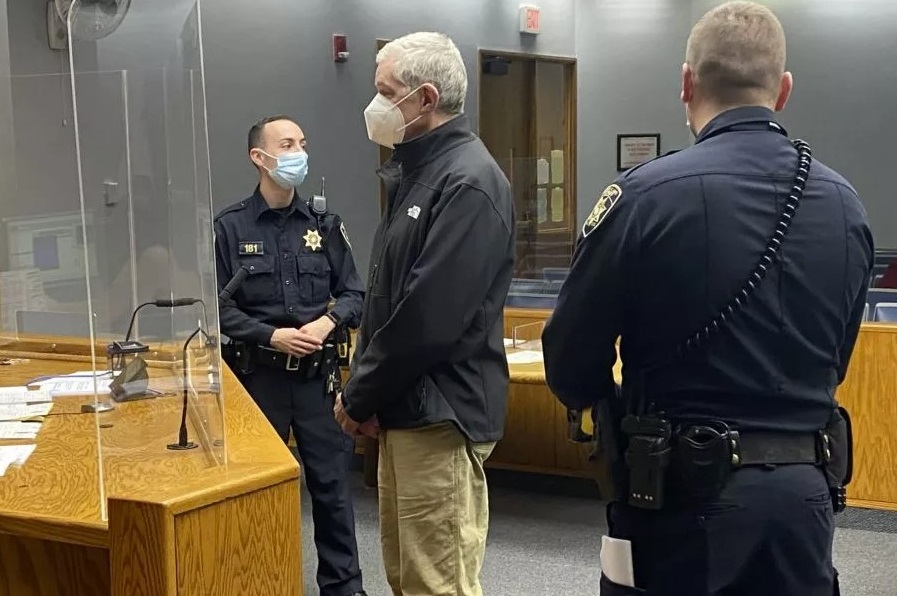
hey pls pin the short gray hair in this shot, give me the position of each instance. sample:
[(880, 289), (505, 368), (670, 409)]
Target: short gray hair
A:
[(432, 58)]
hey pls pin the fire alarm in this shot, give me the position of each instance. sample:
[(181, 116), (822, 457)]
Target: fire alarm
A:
[(529, 19), (340, 50)]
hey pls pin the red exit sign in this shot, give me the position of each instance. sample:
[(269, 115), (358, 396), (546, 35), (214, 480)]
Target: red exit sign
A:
[(529, 19)]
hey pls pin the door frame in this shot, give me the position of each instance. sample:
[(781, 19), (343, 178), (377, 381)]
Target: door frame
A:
[(571, 113)]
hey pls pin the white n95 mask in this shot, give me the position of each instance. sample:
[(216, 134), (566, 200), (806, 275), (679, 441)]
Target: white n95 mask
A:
[(384, 122)]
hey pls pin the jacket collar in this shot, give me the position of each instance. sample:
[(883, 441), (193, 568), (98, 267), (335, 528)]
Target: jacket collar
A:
[(427, 147), (748, 116), (257, 205)]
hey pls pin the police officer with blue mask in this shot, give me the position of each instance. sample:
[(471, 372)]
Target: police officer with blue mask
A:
[(288, 325), (734, 274)]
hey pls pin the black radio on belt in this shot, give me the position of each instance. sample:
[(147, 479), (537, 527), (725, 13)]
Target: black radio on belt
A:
[(647, 456)]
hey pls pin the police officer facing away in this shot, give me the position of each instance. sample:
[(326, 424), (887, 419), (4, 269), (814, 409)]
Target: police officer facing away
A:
[(430, 361), (735, 273), (298, 256)]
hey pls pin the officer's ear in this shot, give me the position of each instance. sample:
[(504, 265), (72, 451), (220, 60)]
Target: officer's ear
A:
[(785, 87), (257, 157), (688, 84)]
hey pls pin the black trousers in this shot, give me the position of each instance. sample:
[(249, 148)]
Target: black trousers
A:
[(290, 402), (770, 533)]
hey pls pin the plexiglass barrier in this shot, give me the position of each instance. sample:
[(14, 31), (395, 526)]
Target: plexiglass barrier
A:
[(50, 463), (108, 301), (142, 151)]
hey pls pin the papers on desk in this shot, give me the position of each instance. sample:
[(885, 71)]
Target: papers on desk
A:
[(14, 455), (524, 357), (19, 430), (24, 411), (74, 384), (21, 395)]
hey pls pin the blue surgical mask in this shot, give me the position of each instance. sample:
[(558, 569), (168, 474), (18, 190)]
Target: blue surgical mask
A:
[(291, 168)]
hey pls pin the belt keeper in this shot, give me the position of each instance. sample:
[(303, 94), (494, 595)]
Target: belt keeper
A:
[(735, 449)]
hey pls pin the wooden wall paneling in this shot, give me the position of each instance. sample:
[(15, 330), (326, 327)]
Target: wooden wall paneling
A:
[(529, 437), (142, 549), (215, 556), (870, 395), (36, 567)]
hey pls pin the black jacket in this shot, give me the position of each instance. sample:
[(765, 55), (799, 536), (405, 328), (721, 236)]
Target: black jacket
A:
[(667, 247), (430, 345)]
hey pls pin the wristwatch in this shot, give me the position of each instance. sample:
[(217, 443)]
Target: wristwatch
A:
[(333, 318)]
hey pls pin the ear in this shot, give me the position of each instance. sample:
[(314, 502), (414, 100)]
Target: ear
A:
[(688, 84), (785, 88), (429, 98), (257, 157)]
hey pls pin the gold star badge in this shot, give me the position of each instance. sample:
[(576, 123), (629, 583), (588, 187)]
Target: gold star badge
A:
[(312, 240), (607, 200)]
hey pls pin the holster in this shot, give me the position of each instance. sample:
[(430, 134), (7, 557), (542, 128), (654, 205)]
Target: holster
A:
[(836, 444), (343, 342), (702, 460), (605, 444), (238, 356)]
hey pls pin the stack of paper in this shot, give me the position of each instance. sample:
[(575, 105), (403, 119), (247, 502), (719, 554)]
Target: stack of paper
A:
[(20, 290), (524, 357), (14, 455), (74, 384), (24, 411), (21, 395), (19, 430)]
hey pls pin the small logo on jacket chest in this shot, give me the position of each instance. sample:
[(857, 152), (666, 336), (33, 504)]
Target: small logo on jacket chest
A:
[(414, 212)]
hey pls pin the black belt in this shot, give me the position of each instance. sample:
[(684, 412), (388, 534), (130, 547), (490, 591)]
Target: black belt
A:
[(277, 359), (772, 448)]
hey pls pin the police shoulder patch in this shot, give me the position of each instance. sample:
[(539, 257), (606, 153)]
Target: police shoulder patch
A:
[(342, 229), (606, 201)]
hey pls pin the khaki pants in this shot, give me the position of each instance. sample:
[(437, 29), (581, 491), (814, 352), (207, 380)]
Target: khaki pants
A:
[(434, 511)]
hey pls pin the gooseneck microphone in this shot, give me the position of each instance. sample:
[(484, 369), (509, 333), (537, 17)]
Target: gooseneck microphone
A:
[(176, 302), (183, 442), (163, 303), (226, 293)]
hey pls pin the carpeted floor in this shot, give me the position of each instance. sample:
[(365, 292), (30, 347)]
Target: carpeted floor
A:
[(543, 541)]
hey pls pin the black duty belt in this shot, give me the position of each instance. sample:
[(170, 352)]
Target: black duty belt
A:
[(772, 448), (276, 359)]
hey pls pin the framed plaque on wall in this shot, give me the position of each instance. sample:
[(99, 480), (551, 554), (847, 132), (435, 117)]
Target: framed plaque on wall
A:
[(635, 149)]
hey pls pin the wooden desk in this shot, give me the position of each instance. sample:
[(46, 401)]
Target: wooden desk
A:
[(178, 523)]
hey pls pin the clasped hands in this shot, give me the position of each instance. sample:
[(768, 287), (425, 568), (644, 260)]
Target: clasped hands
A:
[(370, 428), (308, 339), (303, 341)]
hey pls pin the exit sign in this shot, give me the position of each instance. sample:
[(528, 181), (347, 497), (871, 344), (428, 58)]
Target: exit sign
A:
[(529, 19)]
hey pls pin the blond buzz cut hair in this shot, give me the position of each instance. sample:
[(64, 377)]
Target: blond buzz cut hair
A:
[(737, 54)]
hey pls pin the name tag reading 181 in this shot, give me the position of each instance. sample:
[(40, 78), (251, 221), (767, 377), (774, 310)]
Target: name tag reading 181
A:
[(252, 248)]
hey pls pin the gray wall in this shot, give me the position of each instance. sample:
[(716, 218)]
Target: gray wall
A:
[(270, 56), (7, 142), (274, 56), (843, 55), (630, 54)]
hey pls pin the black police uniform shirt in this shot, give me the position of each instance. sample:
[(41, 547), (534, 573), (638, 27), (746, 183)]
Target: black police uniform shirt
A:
[(669, 245), (430, 345), (296, 260)]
